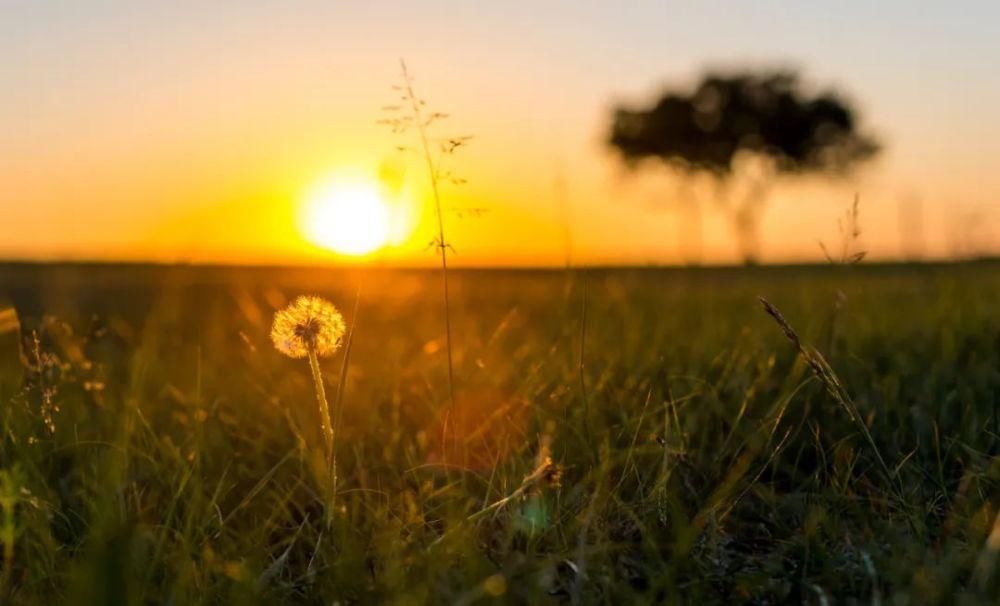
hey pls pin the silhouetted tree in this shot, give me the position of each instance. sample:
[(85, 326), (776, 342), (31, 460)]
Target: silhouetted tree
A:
[(748, 127)]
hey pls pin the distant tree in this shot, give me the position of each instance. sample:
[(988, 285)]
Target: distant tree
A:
[(743, 130)]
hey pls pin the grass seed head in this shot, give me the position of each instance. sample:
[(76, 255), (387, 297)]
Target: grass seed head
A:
[(308, 323), (552, 473)]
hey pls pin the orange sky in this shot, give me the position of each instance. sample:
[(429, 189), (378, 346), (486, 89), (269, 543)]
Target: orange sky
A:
[(183, 132)]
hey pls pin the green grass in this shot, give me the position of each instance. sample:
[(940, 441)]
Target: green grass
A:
[(702, 460)]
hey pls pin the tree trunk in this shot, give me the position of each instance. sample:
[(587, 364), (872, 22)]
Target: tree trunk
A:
[(689, 227), (746, 222)]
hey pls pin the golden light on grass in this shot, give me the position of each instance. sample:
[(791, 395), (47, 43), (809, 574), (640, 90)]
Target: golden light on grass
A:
[(352, 218)]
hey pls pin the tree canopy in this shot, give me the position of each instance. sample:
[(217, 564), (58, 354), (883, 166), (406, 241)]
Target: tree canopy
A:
[(767, 113)]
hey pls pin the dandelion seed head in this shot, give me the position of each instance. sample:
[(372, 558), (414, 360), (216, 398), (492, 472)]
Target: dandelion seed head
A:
[(308, 323)]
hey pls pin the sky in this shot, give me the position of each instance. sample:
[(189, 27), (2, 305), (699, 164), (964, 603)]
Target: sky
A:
[(194, 131)]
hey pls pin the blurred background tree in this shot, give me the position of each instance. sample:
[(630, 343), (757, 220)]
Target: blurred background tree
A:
[(743, 130)]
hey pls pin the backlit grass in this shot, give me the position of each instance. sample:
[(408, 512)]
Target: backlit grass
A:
[(669, 445)]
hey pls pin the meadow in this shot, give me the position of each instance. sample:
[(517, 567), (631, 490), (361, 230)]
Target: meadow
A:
[(618, 436)]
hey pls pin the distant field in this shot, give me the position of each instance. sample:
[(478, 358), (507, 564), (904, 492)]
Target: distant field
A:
[(156, 447)]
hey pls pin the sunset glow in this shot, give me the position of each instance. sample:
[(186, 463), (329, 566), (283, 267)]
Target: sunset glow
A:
[(132, 134), (519, 302), (350, 219)]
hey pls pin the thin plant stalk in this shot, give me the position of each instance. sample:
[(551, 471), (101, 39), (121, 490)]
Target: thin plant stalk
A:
[(324, 408), (342, 386), (442, 243), (8, 530), (822, 370), (565, 210), (581, 367), (339, 402)]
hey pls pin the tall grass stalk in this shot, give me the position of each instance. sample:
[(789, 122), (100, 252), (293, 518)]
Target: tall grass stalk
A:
[(822, 370), (582, 369), (324, 408), (339, 402), (421, 121), (10, 487)]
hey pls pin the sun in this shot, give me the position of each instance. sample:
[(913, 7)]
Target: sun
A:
[(347, 218)]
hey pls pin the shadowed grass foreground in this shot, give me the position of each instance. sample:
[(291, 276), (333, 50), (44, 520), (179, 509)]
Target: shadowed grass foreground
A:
[(157, 449)]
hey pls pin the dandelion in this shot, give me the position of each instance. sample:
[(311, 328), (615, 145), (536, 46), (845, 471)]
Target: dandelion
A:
[(308, 324), (311, 327)]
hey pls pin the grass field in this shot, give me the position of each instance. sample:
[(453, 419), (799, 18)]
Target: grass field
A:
[(157, 449)]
